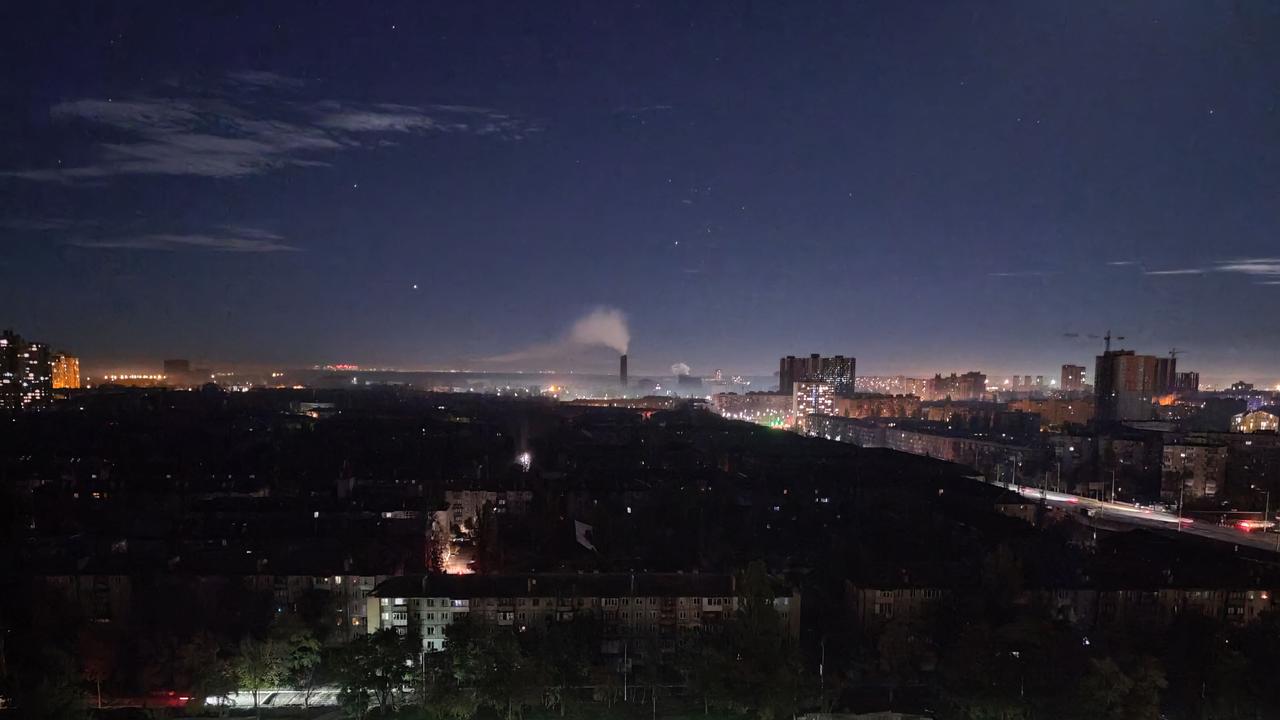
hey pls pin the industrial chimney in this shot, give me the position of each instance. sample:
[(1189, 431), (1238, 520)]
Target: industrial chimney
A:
[(622, 371)]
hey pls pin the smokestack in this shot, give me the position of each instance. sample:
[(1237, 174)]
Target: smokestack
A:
[(622, 370)]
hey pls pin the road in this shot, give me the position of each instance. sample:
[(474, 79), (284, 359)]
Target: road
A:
[(321, 696), (1146, 517)]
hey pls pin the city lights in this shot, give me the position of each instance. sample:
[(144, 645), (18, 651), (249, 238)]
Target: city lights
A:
[(859, 346)]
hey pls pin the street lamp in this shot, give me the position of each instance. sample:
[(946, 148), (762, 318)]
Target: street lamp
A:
[(1266, 510), (1266, 516), (1182, 485)]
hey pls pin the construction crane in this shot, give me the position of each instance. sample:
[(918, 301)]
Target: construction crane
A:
[(1175, 352), (1107, 337)]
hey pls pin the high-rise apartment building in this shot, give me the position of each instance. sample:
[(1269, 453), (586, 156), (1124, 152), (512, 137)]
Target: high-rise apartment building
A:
[(1187, 382), (838, 370), (969, 386), (1073, 377), (36, 381), (811, 397), (66, 372), (1124, 386), (9, 370), (1166, 379), (26, 372)]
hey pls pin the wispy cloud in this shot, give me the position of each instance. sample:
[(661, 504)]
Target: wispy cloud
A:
[(1019, 273), (638, 109), (1122, 263), (1265, 266), (228, 136), (263, 78), (37, 224), (235, 240), (1260, 267)]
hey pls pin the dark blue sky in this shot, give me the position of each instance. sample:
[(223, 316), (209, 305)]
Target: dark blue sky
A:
[(927, 186)]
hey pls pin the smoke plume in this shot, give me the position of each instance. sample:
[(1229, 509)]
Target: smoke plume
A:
[(680, 369), (602, 327)]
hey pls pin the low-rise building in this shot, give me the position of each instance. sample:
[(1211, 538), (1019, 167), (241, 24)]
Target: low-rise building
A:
[(465, 505), (855, 431), (107, 595), (872, 608), (874, 406), (628, 605), (763, 408), (1256, 421), (1086, 608), (1057, 412), (1192, 470), (984, 452), (892, 385)]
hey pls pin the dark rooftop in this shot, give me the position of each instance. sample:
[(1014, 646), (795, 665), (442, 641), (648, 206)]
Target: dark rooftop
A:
[(558, 585)]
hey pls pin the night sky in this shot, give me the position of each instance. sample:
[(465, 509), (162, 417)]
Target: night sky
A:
[(927, 186)]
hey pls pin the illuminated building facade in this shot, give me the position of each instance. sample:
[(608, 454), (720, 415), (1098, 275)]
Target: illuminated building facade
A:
[(1192, 470), (838, 371), (772, 409), (9, 370), (26, 372), (135, 380), (1256, 421), (892, 385), (36, 383), (812, 397), (66, 372)]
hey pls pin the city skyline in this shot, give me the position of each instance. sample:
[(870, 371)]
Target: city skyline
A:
[(598, 365), (432, 188), (638, 360)]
